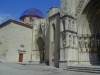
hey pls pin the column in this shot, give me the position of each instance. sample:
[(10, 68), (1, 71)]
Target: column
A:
[(76, 42), (79, 56), (61, 49), (85, 56), (61, 54), (67, 45), (66, 24), (67, 40), (75, 26), (61, 26), (88, 56), (60, 40), (71, 41)]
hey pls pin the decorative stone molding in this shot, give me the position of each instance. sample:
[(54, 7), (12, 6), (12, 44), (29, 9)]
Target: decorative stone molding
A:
[(80, 6), (21, 51)]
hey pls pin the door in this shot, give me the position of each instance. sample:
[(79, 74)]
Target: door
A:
[(20, 57)]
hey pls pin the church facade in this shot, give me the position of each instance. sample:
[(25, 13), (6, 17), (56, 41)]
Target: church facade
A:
[(67, 36), (79, 33)]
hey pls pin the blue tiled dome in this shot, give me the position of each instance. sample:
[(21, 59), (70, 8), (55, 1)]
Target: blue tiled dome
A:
[(32, 12)]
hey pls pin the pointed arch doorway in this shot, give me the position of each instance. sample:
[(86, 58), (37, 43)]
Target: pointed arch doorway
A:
[(89, 31), (41, 44)]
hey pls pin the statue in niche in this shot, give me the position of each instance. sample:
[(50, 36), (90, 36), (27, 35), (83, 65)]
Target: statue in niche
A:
[(63, 36), (69, 9), (83, 44), (98, 42), (91, 44), (63, 43), (86, 44), (73, 26), (80, 44), (70, 43), (95, 43), (74, 41)]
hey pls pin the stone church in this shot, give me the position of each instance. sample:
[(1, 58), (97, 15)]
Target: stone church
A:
[(67, 36)]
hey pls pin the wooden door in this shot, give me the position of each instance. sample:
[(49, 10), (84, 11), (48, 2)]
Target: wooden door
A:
[(20, 57)]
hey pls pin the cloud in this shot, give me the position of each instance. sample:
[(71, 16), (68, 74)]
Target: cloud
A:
[(4, 17)]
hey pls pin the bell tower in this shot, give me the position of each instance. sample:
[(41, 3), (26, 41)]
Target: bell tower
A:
[(68, 34)]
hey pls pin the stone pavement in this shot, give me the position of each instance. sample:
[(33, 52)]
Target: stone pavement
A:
[(34, 69)]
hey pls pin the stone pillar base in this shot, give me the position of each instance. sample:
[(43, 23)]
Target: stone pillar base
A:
[(89, 63), (64, 63), (34, 62)]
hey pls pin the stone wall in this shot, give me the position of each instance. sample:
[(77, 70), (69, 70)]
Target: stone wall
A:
[(15, 35)]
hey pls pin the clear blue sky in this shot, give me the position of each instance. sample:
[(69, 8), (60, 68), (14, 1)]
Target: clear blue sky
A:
[(14, 8)]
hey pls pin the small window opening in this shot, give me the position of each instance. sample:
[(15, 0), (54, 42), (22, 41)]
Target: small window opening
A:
[(31, 19)]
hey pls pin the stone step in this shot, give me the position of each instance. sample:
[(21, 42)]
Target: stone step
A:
[(84, 69)]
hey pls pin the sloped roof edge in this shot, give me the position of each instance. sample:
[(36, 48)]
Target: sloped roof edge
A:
[(17, 22)]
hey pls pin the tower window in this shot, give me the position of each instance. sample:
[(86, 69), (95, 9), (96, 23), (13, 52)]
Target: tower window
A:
[(31, 19)]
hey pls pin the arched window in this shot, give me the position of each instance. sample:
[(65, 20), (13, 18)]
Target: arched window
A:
[(53, 26)]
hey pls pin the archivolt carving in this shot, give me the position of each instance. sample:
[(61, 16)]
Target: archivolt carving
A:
[(81, 4)]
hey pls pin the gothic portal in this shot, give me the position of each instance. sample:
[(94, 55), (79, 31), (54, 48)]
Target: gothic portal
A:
[(79, 27)]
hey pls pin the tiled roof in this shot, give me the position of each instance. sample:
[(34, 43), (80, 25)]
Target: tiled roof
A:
[(32, 12)]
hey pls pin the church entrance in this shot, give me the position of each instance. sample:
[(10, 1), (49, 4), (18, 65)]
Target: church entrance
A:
[(89, 33), (41, 44), (20, 57)]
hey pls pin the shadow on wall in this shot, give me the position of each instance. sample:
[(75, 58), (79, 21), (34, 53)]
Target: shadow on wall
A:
[(46, 62)]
